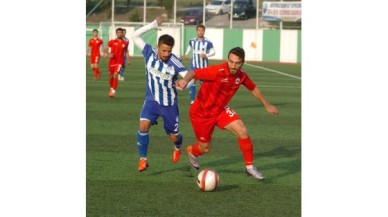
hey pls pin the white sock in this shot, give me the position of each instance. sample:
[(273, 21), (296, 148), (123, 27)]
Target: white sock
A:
[(249, 167)]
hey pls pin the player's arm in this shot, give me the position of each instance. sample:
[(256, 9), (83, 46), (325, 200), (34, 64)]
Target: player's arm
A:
[(128, 57), (187, 52), (211, 52), (88, 52), (186, 85), (106, 51), (127, 54), (102, 49), (136, 36), (258, 95), (209, 73)]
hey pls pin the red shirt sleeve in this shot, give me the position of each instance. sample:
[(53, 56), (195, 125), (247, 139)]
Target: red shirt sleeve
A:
[(248, 83)]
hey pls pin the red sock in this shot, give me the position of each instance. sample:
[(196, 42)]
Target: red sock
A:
[(111, 82), (95, 70), (246, 148), (98, 73), (115, 83), (196, 151)]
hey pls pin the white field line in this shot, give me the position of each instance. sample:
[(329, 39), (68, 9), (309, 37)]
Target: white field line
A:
[(272, 70)]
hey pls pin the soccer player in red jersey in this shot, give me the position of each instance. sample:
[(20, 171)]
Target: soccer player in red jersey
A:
[(94, 47), (116, 61), (220, 83)]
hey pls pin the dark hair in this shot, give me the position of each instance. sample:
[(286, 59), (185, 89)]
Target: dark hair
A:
[(201, 26), (238, 51), (95, 30), (119, 29), (166, 39)]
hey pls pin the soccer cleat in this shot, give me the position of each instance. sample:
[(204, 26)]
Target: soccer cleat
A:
[(193, 159), (142, 165), (254, 172), (111, 93), (176, 155)]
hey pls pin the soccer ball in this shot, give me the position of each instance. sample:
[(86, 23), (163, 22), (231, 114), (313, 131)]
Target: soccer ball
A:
[(207, 180)]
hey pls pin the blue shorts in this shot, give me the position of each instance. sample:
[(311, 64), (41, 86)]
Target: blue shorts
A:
[(152, 111)]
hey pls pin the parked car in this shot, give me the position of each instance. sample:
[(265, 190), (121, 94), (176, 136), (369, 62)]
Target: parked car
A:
[(192, 17), (218, 7), (243, 9)]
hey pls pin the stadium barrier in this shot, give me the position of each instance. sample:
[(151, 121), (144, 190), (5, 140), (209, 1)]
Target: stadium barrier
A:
[(283, 46)]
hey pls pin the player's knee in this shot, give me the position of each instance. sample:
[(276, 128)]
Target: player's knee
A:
[(144, 126), (242, 132), (206, 147), (174, 138)]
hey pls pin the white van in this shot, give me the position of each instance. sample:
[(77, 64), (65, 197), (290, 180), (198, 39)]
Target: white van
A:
[(218, 7)]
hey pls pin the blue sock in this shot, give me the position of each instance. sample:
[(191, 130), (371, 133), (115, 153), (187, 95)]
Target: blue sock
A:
[(122, 72), (192, 92), (142, 143), (178, 143)]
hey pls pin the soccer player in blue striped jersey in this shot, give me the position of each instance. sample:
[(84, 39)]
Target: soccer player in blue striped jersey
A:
[(202, 49), (162, 70)]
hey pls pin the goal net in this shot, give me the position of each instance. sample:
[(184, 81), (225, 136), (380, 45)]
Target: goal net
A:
[(107, 31)]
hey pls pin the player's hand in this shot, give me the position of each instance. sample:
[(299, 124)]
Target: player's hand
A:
[(180, 84), (128, 61), (111, 55), (186, 57), (203, 55), (272, 109), (159, 20)]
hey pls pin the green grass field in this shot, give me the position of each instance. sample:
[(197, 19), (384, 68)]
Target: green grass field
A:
[(116, 188)]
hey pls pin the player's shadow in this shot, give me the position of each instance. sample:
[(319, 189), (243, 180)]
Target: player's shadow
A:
[(187, 171)]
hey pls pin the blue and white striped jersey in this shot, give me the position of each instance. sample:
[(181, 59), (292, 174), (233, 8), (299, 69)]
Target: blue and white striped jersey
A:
[(199, 47), (161, 77)]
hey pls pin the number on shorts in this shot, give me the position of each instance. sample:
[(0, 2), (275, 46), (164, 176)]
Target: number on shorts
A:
[(229, 111)]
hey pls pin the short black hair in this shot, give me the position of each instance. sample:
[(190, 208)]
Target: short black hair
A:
[(201, 26), (119, 29), (238, 51), (166, 39), (95, 30)]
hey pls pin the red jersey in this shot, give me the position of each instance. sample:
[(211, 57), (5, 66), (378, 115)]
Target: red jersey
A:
[(117, 48), (95, 44), (218, 88)]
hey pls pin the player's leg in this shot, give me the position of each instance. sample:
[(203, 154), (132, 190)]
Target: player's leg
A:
[(114, 81), (170, 115), (121, 74), (232, 122), (98, 72), (93, 67), (203, 129), (148, 117), (192, 93)]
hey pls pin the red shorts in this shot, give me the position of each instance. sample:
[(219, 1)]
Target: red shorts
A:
[(114, 68), (204, 127), (94, 59)]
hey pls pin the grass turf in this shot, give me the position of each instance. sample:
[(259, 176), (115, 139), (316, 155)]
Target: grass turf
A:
[(116, 188)]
